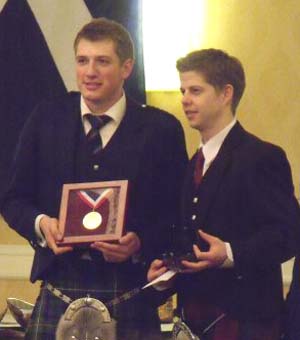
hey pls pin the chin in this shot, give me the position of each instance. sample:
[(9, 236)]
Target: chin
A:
[(195, 125), (91, 97)]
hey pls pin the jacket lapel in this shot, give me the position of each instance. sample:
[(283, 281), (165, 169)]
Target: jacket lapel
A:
[(132, 123), (131, 129), (212, 179)]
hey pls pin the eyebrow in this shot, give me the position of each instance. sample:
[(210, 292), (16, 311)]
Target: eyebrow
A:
[(197, 87), (94, 56)]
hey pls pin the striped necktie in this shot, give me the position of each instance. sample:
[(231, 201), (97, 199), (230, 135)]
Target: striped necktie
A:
[(93, 136)]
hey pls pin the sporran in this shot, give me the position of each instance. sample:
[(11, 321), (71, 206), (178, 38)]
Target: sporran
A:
[(86, 319)]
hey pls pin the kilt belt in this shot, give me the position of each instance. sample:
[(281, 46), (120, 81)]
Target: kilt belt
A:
[(123, 297)]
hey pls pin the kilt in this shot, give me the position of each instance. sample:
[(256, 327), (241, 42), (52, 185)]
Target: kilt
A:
[(76, 278)]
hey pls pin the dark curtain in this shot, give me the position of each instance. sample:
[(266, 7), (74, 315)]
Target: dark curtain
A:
[(28, 74)]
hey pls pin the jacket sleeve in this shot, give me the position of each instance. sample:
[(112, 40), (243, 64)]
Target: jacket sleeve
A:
[(273, 211), (168, 161), (18, 206)]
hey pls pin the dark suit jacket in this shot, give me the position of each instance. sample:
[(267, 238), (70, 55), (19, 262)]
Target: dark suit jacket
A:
[(292, 319), (148, 149), (245, 198)]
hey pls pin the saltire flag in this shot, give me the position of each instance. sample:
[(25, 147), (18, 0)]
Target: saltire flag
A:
[(37, 57)]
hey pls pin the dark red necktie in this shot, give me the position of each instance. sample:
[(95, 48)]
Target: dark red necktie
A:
[(199, 163), (93, 136)]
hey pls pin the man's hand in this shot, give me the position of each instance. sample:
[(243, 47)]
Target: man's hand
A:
[(157, 268), (49, 228), (214, 257), (128, 245)]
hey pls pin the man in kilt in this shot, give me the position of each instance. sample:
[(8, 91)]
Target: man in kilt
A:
[(141, 144), (238, 210)]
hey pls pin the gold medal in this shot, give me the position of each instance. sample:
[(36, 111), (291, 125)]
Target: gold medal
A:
[(92, 220)]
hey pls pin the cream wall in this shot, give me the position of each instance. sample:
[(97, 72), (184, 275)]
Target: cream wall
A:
[(264, 35)]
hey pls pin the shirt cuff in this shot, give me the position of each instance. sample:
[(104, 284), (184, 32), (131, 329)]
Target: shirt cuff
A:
[(229, 262), (41, 241)]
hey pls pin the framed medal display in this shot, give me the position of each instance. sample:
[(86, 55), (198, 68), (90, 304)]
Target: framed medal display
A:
[(92, 212)]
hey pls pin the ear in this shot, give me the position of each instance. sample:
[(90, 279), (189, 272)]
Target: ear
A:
[(127, 68), (228, 92)]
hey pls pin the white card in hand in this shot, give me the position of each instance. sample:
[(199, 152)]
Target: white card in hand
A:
[(162, 278)]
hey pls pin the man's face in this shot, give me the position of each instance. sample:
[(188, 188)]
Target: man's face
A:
[(100, 74), (202, 103)]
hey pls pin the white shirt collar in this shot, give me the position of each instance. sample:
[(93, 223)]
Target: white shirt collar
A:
[(116, 112), (212, 146)]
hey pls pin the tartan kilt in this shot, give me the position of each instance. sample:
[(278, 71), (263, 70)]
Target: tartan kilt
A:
[(78, 278)]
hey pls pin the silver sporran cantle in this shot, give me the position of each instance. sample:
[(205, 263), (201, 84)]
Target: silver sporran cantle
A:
[(86, 319)]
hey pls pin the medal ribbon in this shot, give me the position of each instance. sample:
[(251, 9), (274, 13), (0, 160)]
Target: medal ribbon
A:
[(94, 204)]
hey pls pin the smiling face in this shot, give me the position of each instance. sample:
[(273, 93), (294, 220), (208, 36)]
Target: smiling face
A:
[(207, 109), (100, 73)]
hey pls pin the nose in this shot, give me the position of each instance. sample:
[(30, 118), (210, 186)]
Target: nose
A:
[(91, 69), (186, 99)]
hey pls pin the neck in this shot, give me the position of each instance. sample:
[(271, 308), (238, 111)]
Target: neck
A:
[(210, 132)]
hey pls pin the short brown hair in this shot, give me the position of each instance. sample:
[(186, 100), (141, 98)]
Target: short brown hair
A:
[(218, 68), (105, 29)]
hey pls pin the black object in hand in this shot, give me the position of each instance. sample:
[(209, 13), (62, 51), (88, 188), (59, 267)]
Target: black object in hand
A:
[(173, 262), (182, 248)]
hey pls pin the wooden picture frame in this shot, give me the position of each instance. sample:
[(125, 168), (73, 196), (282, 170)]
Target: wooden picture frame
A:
[(92, 212)]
